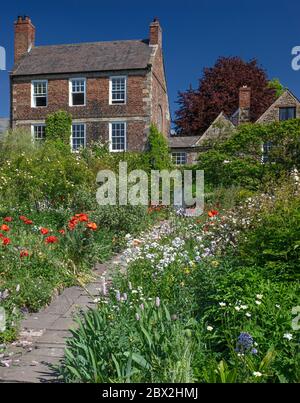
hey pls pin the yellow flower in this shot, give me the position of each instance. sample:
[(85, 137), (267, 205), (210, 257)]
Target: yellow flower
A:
[(215, 263), (182, 284), (187, 271)]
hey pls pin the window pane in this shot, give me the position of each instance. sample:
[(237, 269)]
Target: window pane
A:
[(39, 132), (41, 101), (118, 135), (78, 136), (78, 99), (78, 86), (40, 88), (287, 113), (118, 90), (179, 158), (39, 93)]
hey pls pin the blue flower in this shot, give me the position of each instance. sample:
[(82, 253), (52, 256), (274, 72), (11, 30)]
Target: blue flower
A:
[(244, 343)]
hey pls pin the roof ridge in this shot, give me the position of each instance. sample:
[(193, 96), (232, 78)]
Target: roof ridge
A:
[(90, 43)]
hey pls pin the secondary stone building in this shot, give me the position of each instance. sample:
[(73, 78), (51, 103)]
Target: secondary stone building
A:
[(113, 90), (185, 149)]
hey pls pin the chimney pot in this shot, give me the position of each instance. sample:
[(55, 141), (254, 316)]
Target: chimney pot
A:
[(155, 33)]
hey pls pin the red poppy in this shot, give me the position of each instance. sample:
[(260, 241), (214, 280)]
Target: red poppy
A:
[(81, 217), (72, 223), (24, 253), (4, 227), (51, 239), (44, 231), (8, 219), (1, 236), (62, 231), (213, 213), (29, 222), (92, 226), (23, 218), (5, 241)]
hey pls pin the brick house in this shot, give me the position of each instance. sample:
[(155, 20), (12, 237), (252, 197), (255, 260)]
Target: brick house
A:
[(113, 90), (186, 148)]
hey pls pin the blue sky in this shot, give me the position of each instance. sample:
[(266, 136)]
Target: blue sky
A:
[(195, 33)]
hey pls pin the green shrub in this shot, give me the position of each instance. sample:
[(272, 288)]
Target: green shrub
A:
[(238, 159), (159, 154), (275, 236), (126, 219), (46, 176), (58, 128)]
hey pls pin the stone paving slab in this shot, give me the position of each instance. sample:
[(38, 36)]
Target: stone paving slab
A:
[(54, 337), (43, 335), (39, 321)]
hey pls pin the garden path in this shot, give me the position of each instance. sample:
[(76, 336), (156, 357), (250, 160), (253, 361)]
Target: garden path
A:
[(42, 339)]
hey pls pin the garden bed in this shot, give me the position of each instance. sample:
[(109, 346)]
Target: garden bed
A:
[(210, 303)]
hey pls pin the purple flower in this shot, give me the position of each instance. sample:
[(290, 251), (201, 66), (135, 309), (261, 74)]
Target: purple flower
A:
[(244, 342), (142, 307), (254, 351), (118, 296), (137, 316)]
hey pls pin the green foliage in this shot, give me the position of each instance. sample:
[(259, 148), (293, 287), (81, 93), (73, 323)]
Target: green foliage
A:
[(126, 219), (159, 155), (277, 86), (98, 157), (129, 345), (275, 237), (238, 160), (58, 127), (40, 175)]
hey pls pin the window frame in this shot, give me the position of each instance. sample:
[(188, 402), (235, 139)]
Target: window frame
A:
[(71, 90), (110, 136), (33, 133), (266, 148), (71, 137), (111, 78), (33, 96), (285, 108), (177, 154)]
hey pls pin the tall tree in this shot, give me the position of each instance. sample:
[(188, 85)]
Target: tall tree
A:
[(219, 91)]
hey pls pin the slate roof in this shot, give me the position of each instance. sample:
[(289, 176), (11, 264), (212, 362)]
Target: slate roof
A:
[(85, 57), (183, 141)]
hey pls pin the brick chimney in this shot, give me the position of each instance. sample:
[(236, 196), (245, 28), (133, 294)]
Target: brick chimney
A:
[(244, 104), (24, 36), (155, 33)]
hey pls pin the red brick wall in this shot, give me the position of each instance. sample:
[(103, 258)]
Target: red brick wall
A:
[(159, 94), (97, 105), (136, 112)]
